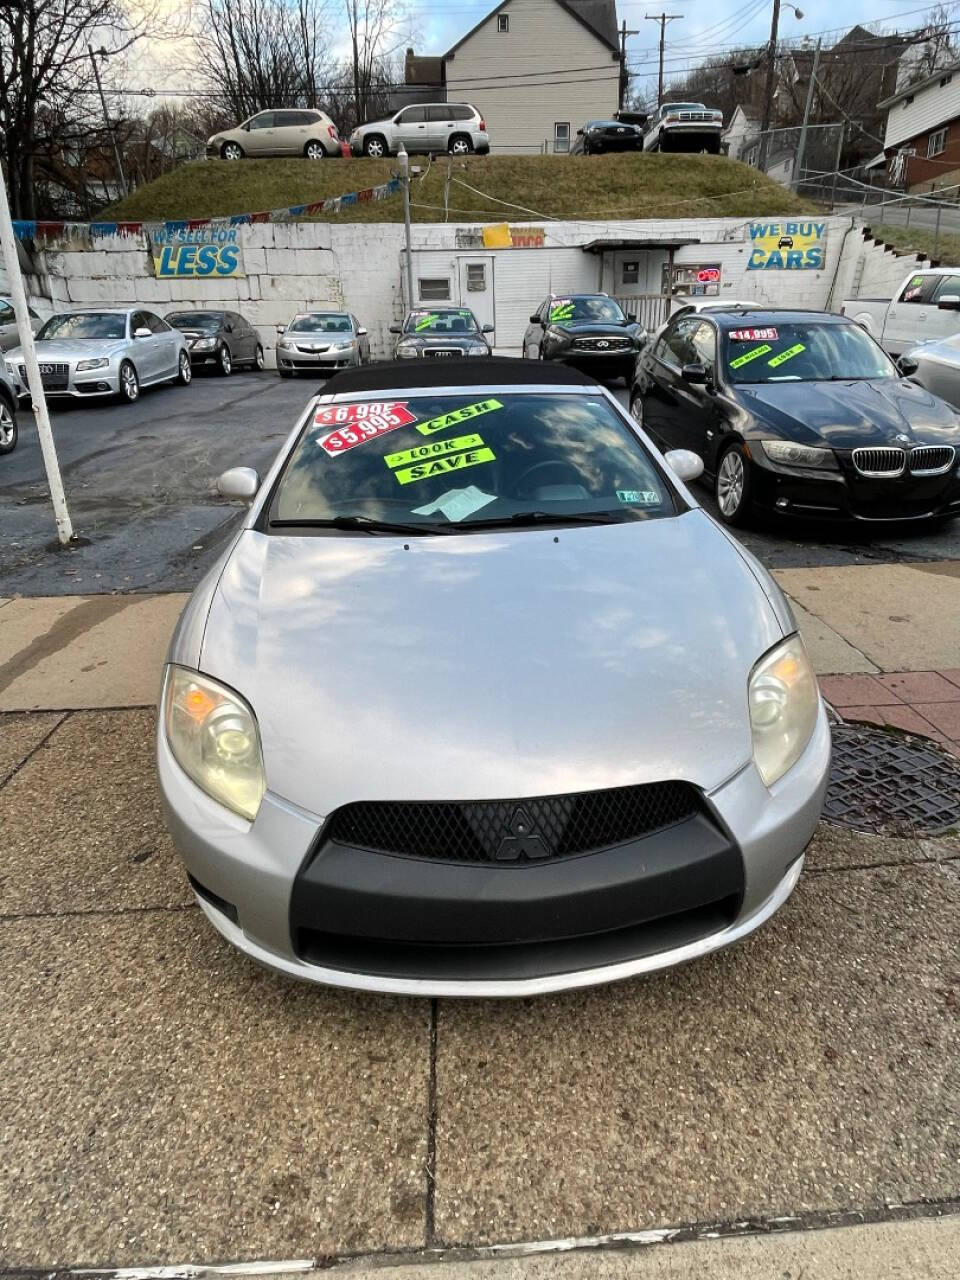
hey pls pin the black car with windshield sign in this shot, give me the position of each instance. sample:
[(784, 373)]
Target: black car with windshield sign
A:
[(801, 413), (220, 338), (441, 333), (587, 330)]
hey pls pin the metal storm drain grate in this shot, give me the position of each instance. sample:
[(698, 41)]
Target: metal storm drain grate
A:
[(889, 782)]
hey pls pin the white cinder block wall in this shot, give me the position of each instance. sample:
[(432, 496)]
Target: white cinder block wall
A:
[(294, 266)]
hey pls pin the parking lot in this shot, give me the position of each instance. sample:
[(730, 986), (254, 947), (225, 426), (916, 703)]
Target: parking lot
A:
[(166, 1102)]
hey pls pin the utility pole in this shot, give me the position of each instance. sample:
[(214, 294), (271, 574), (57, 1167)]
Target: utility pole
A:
[(802, 145), (404, 161), (106, 121), (623, 62), (18, 297), (770, 83), (663, 19)]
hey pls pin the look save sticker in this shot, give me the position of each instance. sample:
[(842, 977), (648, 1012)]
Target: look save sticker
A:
[(356, 423), (753, 335)]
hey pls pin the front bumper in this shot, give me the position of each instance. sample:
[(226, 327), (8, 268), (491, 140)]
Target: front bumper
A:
[(311, 361), (88, 384), (846, 495), (246, 876)]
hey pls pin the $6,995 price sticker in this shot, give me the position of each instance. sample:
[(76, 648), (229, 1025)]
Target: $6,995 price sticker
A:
[(355, 423)]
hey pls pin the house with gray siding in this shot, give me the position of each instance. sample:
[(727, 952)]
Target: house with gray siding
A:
[(536, 70)]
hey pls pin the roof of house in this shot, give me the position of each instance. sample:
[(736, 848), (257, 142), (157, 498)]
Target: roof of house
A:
[(422, 69), (910, 89), (598, 16)]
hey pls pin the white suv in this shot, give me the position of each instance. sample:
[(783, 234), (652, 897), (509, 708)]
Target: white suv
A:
[(428, 127), (278, 133)]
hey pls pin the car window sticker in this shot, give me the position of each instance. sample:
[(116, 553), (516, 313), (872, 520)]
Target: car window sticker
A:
[(750, 355), (355, 423), (435, 449), (457, 504), (463, 414), (438, 466), (753, 335), (645, 497), (784, 356), (426, 322), (562, 309)]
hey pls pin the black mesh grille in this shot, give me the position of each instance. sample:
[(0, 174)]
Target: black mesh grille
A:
[(506, 831)]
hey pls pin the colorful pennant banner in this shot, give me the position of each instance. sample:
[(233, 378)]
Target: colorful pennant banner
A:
[(32, 230)]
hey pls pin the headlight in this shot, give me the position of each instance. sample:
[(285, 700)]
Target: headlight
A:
[(798, 455), (558, 335), (477, 351), (285, 344), (214, 738), (204, 344), (342, 346), (85, 365), (784, 701), (406, 350)]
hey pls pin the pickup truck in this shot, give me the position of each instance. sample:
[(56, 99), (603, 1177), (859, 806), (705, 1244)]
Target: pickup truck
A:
[(926, 308)]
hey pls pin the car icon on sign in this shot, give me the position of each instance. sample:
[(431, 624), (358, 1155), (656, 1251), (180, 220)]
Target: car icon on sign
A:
[(785, 242)]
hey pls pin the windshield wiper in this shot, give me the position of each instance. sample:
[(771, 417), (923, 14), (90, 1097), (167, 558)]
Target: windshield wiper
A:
[(519, 519), (361, 524)]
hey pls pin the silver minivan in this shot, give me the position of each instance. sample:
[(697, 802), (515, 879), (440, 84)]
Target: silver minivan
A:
[(278, 133), (426, 128)]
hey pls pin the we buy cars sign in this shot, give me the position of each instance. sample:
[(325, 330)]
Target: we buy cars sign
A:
[(355, 423)]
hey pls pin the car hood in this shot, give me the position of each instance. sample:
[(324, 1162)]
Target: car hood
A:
[(600, 328), (72, 349), (849, 415), (491, 664)]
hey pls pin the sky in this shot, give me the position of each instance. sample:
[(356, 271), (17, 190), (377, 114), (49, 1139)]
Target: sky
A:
[(707, 26)]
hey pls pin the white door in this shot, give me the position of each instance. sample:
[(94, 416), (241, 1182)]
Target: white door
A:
[(476, 290)]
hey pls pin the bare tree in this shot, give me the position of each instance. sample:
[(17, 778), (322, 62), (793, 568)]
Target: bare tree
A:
[(378, 29), (936, 46), (260, 54)]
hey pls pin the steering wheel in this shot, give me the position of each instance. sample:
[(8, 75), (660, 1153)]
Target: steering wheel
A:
[(566, 470)]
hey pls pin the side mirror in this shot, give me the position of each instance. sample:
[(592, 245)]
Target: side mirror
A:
[(535, 319), (361, 333), (396, 328), (281, 328), (142, 332), (949, 302), (228, 327), (486, 328), (239, 482), (907, 366), (684, 463), (694, 373)]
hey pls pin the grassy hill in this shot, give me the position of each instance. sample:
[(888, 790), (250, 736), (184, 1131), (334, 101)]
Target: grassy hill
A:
[(567, 187)]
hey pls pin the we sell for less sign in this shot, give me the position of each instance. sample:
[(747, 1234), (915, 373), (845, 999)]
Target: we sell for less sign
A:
[(204, 252)]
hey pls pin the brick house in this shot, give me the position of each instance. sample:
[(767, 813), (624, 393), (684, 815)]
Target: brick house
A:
[(922, 136)]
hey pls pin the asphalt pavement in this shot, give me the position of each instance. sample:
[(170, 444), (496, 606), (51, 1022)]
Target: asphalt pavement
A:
[(140, 486)]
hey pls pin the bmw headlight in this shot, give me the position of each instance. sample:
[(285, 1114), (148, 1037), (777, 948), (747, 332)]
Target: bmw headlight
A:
[(85, 365), (215, 740), (784, 701), (204, 344), (798, 455), (407, 350)]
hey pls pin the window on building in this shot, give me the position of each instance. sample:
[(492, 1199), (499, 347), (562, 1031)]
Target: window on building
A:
[(503, 22), (561, 136), (936, 142), (631, 273), (476, 277), (434, 289), (945, 80), (908, 100)]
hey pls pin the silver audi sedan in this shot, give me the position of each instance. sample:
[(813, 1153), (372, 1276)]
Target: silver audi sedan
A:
[(90, 354), (536, 727)]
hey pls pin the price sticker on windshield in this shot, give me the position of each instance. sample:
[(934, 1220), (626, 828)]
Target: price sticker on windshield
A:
[(753, 335), (355, 423)]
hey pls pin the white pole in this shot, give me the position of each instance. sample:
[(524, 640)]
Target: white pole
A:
[(404, 160), (19, 298)]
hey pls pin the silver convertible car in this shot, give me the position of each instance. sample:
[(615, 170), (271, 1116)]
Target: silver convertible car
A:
[(538, 726), (87, 354)]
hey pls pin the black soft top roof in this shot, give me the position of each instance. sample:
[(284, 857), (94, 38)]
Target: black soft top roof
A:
[(410, 375)]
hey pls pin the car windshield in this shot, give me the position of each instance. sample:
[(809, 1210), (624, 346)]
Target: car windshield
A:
[(316, 322), (206, 321), (441, 322), (804, 352), (604, 310), (447, 463), (85, 324)]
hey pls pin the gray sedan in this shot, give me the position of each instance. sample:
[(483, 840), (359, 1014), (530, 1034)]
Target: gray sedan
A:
[(936, 366), (538, 726), (90, 354), (321, 342)]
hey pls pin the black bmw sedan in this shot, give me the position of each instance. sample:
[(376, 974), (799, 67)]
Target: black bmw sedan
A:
[(587, 330), (801, 413)]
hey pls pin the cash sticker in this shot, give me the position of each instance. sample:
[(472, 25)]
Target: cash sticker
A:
[(457, 416)]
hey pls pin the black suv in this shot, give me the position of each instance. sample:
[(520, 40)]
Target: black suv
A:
[(589, 330)]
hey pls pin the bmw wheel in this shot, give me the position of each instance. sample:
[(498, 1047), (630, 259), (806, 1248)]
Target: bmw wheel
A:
[(636, 408), (375, 147), (732, 488), (184, 369), (8, 428), (258, 358), (129, 383), (224, 361), (231, 151), (315, 151)]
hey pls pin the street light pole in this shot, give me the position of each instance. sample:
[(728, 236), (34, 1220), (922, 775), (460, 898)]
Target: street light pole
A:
[(404, 161), (769, 84), (106, 121), (18, 297), (802, 144)]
